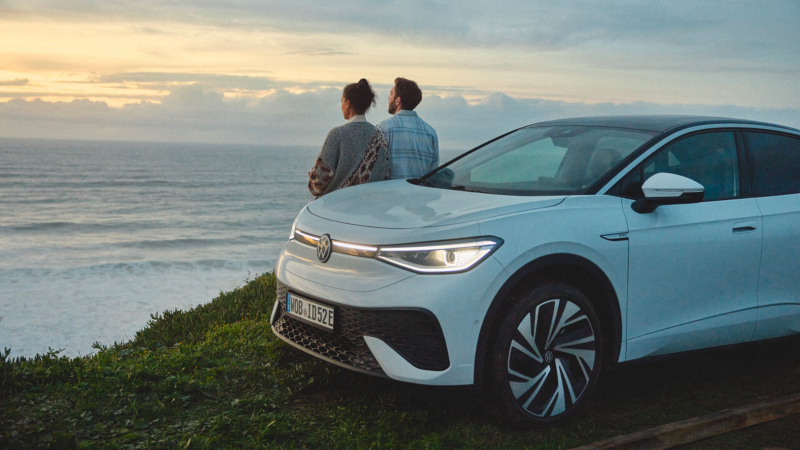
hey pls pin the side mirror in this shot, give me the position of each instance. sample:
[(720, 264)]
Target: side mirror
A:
[(668, 189)]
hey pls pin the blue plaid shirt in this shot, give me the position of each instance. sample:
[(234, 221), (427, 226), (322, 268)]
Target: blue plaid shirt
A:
[(413, 145)]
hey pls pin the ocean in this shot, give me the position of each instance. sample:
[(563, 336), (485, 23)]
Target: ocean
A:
[(97, 236)]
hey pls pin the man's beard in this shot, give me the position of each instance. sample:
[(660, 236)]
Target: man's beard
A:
[(392, 108)]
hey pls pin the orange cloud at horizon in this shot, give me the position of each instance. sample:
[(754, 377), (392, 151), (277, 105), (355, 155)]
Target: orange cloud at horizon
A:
[(129, 61)]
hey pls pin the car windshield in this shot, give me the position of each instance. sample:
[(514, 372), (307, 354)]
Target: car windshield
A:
[(540, 161)]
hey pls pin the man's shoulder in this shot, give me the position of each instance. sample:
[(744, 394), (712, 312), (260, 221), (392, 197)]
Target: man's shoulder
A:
[(387, 123), (427, 126)]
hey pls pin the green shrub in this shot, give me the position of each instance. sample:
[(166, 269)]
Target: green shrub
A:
[(253, 301), (216, 376)]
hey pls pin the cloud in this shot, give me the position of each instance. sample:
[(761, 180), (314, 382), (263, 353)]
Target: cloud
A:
[(196, 114), (463, 125), (701, 33), (70, 95), (17, 82), (215, 81), (321, 52), (704, 51), (187, 114), (17, 63)]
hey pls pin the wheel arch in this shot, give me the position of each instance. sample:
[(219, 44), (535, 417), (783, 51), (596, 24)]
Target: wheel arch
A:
[(573, 269)]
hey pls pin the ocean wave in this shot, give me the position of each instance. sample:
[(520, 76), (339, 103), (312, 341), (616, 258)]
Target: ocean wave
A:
[(27, 201), (138, 268), (35, 227), (190, 242), (64, 283), (137, 182), (40, 226)]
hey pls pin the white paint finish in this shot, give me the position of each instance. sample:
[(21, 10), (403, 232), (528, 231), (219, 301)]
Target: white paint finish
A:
[(711, 332), (381, 236), (352, 273), (779, 279), (574, 227), (687, 266), (457, 301), (669, 185), (397, 368), (777, 321), (400, 204)]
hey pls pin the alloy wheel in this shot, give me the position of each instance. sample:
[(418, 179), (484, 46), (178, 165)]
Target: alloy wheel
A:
[(551, 358)]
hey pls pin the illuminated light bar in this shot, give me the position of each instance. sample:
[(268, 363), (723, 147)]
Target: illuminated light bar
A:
[(355, 246), (346, 248), (438, 247), (442, 269), (306, 235)]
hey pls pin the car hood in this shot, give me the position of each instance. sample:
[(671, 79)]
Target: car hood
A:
[(399, 204)]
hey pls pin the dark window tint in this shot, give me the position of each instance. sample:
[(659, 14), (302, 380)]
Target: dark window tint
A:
[(709, 158), (776, 163)]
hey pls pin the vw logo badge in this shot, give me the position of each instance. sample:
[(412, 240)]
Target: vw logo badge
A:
[(324, 248)]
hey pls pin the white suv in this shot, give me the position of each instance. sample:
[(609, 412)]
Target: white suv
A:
[(526, 265)]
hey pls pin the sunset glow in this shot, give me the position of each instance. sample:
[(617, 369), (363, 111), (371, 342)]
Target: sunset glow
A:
[(620, 53)]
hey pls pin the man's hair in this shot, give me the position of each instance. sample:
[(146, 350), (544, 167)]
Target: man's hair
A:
[(409, 93)]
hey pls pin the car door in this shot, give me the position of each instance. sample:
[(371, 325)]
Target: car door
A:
[(693, 268), (775, 168)]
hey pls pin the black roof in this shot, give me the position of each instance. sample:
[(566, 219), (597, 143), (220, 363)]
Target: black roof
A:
[(654, 122)]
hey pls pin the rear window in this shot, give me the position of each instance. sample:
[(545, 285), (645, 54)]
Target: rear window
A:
[(775, 161)]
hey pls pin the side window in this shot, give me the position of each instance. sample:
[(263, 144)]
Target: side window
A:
[(708, 158), (775, 163)]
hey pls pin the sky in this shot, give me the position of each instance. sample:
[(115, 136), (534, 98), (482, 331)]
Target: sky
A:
[(272, 72)]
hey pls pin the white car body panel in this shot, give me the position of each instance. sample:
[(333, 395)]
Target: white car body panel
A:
[(575, 228), (779, 279), (399, 204), (463, 319), (667, 185), (688, 263), (712, 332), (310, 223), (345, 272), (397, 368)]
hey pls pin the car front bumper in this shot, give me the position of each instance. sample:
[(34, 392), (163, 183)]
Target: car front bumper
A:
[(422, 329)]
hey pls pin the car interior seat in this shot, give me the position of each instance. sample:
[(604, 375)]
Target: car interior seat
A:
[(602, 160)]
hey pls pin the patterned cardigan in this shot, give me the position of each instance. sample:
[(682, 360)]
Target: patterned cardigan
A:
[(353, 153)]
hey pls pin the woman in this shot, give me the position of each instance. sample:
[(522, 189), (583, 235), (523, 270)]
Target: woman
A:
[(353, 153)]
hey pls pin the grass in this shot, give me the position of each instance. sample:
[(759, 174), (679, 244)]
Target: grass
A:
[(216, 377)]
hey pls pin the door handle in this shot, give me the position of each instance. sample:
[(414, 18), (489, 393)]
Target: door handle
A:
[(745, 227)]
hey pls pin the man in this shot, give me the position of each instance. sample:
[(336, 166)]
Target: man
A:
[(413, 144)]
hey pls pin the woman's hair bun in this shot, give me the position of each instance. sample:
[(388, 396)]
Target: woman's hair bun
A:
[(360, 95)]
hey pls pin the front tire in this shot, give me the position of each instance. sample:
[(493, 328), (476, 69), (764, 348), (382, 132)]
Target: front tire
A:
[(545, 355)]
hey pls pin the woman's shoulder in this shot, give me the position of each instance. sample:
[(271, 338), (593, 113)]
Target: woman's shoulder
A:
[(353, 127)]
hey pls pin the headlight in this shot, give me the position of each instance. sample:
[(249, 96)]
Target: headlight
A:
[(440, 257)]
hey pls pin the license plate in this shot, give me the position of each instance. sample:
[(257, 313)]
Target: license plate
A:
[(310, 312)]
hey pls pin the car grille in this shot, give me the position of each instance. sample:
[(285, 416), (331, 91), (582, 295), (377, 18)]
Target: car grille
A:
[(414, 334)]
